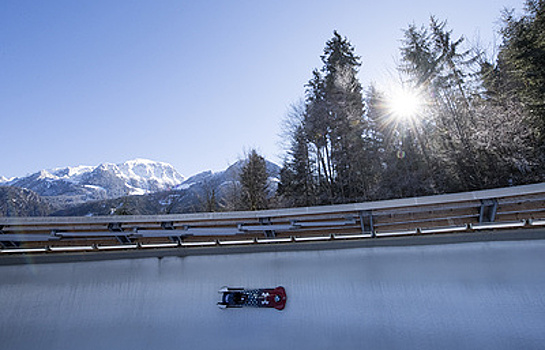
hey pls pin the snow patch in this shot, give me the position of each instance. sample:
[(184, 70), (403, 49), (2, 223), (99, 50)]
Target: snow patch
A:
[(184, 186), (4, 179), (93, 187), (46, 175)]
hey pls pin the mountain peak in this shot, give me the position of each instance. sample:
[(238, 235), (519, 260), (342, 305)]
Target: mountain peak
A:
[(45, 174)]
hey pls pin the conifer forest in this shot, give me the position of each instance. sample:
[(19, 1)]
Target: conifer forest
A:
[(461, 120)]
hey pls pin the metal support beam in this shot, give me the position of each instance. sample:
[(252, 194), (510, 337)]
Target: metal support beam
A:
[(488, 210), (167, 225), (266, 222), (4, 244), (123, 239), (115, 227), (9, 244), (176, 239), (366, 221), (295, 224)]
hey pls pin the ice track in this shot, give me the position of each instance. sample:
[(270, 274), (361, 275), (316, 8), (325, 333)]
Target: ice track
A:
[(487, 295)]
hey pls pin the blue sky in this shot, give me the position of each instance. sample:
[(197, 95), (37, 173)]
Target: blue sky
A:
[(191, 83)]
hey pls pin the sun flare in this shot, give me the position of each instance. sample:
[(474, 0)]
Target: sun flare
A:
[(405, 104)]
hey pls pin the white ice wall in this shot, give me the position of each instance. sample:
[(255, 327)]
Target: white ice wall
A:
[(474, 295)]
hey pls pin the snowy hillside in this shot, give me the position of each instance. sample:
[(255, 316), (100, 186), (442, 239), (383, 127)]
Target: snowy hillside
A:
[(71, 185), (139, 176)]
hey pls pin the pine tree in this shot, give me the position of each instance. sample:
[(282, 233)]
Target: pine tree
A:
[(473, 133), (317, 128), (343, 94), (253, 179), (334, 124), (332, 157), (440, 67), (208, 198), (517, 78), (297, 185), (522, 57)]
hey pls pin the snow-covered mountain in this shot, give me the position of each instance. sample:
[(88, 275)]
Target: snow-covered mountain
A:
[(139, 187), (72, 185), (190, 196)]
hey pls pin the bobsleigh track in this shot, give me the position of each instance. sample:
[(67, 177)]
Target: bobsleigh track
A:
[(461, 271), (481, 295)]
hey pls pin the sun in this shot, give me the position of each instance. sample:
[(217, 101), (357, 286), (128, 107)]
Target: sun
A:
[(405, 104)]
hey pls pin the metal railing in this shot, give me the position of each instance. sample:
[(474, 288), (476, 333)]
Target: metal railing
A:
[(513, 207)]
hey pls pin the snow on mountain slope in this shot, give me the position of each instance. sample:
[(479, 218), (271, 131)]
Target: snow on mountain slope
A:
[(143, 174), (107, 180), (72, 174), (71, 187)]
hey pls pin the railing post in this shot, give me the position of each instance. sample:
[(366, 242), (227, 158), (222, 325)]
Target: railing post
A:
[(366, 221), (116, 227), (488, 210), (268, 233)]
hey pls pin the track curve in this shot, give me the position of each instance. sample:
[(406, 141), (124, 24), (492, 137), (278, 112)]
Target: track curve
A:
[(470, 295)]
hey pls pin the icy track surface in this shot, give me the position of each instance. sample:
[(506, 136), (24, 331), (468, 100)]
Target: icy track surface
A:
[(460, 296)]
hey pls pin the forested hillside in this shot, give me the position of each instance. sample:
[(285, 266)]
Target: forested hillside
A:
[(22, 202)]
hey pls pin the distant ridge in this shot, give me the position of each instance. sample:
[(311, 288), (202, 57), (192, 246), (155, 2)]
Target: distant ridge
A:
[(137, 187), (74, 185)]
